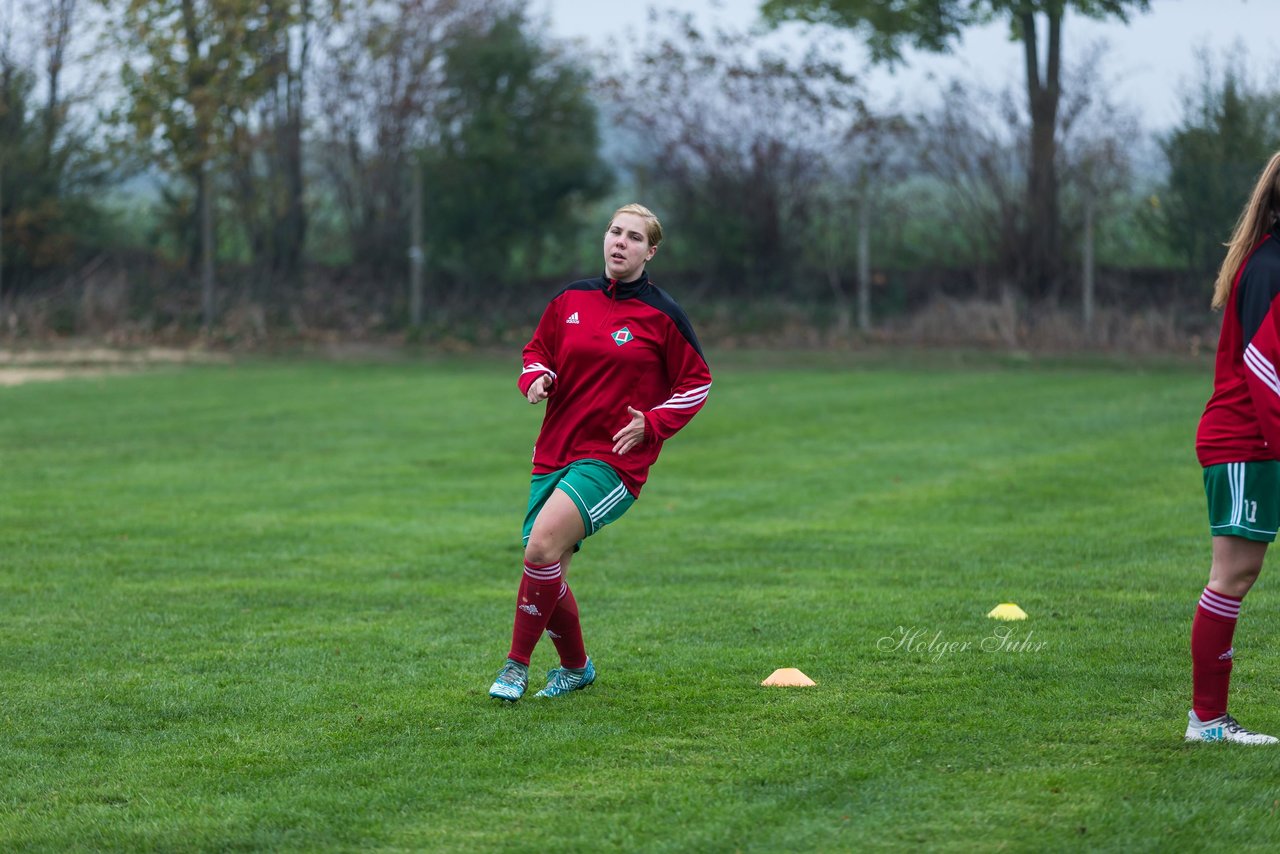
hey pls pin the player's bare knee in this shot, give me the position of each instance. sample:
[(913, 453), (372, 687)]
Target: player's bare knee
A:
[(1243, 581), (1234, 580), (541, 552)]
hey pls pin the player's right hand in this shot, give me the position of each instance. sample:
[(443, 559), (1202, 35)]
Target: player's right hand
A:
[(539, 389)]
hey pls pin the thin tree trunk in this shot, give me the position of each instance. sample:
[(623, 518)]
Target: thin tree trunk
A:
[(1, 226), (206, 246), (833, 273), (1087, 284), (416, 253), (1042, 183), (295, 180), (57, 35), (864, 262)]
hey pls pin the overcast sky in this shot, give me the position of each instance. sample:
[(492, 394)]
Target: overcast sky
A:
[(1152, 59)]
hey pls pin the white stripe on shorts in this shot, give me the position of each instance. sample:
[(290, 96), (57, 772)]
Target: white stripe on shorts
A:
[(604, 505), (1235, 479)]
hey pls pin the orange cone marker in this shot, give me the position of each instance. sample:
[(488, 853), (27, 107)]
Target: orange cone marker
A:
[(788, 677)]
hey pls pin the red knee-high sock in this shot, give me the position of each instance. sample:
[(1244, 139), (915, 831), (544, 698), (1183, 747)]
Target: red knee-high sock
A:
[(1211, 632), (539, 592), (565, 630)]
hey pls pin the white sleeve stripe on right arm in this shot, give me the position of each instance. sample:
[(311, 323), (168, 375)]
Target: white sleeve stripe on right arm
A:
[(1262, 368), (686, 399), (539, 368)]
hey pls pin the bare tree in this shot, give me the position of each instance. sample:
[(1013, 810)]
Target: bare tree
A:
[(377, 85), (935, 25), (874, 155), (976, 145), (58, 16), (1097, 138), (971, 146), (735, 134)]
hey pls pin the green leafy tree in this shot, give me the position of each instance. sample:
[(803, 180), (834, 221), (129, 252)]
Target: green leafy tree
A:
[(266, 136), (1229, 129), (935, 25), (50, 169), (193, 70), (517, 153), (30, 206)]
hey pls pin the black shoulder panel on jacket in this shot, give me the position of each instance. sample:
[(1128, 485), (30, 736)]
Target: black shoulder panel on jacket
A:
[(580, 285), (658, 298), (1258, 287)]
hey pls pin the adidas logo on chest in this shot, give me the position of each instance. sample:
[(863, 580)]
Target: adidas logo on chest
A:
[(619, 337)]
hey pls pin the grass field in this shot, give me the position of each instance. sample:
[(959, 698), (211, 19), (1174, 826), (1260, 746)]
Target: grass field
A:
[(258, 607)]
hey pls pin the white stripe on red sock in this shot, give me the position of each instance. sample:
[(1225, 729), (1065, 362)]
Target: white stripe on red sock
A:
[(544, 574), (1217, 603)]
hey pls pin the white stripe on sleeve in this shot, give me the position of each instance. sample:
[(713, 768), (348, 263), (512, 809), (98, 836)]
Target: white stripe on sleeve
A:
[(538, 367), (686, 399), (1261, 368)]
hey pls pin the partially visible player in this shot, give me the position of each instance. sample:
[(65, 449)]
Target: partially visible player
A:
[(1238, 444), (621, 370)]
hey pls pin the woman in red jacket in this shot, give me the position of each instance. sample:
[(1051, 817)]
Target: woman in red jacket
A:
[(621, 370), (1238, 444)]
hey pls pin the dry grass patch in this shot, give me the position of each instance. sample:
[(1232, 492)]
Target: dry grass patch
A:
[(44, 365)]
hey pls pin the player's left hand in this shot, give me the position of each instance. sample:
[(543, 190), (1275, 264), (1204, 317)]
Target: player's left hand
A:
[(631, 435)]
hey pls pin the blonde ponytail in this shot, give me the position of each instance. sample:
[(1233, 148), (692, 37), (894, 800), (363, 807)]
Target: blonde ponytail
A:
[(1255, 221)]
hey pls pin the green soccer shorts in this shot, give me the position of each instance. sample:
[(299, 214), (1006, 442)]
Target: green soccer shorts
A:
[(1244, 500), (595, 488)]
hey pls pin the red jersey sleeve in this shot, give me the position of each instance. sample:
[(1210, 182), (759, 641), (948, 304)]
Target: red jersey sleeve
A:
[(1261, 355), (540, 352), (690, 382)]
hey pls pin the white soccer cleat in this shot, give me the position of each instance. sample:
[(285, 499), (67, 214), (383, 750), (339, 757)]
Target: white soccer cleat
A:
[(562, 680), (1224, 728), (511, 681)]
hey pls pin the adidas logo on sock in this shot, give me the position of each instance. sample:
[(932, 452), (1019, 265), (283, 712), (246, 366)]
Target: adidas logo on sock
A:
[(531, 610), (1228, 655), (573, 318)]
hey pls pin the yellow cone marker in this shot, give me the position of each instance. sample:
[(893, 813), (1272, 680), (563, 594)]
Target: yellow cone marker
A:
[(1007, 611), (788, 677)]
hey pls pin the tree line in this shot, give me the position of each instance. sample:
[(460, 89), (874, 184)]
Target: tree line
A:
[(421, 155)]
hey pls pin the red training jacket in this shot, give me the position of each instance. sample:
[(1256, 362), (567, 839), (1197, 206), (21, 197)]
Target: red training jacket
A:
[(1241, 422), (609, 345)]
